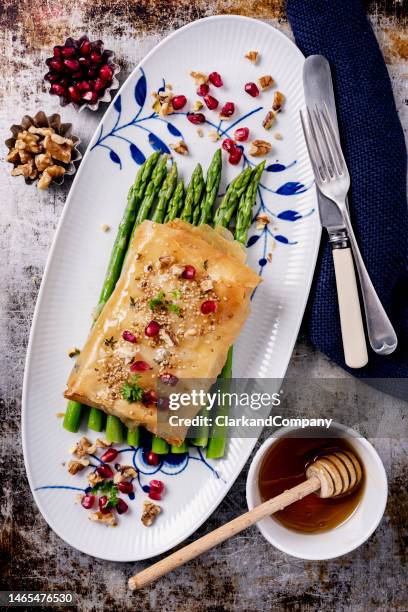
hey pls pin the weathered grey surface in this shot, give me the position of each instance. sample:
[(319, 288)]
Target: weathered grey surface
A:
[(244, 573)]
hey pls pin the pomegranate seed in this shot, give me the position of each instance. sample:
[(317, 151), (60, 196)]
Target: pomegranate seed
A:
[(203, 90), (228, 109), (139, 366), (189, 272), (97, 45), (57, 52), (56, 65), (72, 64), (252, 89), (102, 504), (215, 79), (154, 495), (51, 77), (129, 337), (58, 90), (74, 94), (208, 307), (169, 379), (83, 86), (196, 118), (235, 156), (99, 85), (68, 51), (109, 455), (211, 102), (105, 471), (179, 102), (88, 501), (106, 73), (157, 485), (96, 57), (152, 458), (77, 74), (85, 48), (228, 145), (92, 72), (149, 397), (90, 96), (163, 403), (64, 82), (241, 134), (121, 506), (125, 487), (152, 329), (84, 63)]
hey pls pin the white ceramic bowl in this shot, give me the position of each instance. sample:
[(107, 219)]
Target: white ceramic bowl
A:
[(347, 536)]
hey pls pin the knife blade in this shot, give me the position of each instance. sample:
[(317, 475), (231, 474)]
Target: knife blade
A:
[(318, 88)]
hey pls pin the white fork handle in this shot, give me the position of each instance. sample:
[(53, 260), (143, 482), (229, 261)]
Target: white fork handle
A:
[(352, 330)]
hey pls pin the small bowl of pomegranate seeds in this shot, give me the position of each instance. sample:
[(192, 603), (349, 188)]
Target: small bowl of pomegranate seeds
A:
[(82, 73)]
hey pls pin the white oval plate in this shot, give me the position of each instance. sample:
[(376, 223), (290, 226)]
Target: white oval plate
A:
[(77, 262)]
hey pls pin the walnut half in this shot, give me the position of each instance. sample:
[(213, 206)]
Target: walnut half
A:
[(260, 148), (150, 511)]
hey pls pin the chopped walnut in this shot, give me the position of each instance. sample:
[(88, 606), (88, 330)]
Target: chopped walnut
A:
[(214, 135), (181, 148), (83, 448), (165, 261), (27, 170), (150, 511), (262, 220), (77, 465), (43, 160), (124, 472), (206, 285), (58, 147), (162, 102), (94, 478), (108, 518), (260, 148), (265, 82), (42, 131), (198, 105), (199, 77), (105, 227), (13, 156), (268, 120), (252, 56), (278, 101), (200, 132), (177, 270), (102, 443), (28, 142), (278, 136), (50, 173)]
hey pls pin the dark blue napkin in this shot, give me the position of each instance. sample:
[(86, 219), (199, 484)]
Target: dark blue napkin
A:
[(374, 147)]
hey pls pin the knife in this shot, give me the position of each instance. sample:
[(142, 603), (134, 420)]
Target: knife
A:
[(318, 88)]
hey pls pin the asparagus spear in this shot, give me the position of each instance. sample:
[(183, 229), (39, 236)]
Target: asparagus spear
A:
[(166, 191), (73, 412), (193, 195), (211, 187), (133, 437), (114, 429), (175, 203), (232, 197), (160, 446), (246, 204), (152, 189)]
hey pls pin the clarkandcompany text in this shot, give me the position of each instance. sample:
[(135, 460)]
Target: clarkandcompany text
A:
[(244, 421)]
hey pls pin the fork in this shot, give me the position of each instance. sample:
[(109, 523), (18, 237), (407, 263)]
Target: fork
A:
[(333, 180)]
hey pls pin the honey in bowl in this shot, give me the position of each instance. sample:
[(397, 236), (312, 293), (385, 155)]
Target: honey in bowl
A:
[(284, 466)]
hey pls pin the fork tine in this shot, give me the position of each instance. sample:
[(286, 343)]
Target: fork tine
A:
[(311, 147), (322, 163), (339, 157), (327, 155)]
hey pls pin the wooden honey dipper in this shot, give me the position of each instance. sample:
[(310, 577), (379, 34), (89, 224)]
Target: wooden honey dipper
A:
[(329, 475)]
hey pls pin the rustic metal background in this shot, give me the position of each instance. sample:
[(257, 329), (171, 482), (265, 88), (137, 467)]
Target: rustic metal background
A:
[(244, 573)]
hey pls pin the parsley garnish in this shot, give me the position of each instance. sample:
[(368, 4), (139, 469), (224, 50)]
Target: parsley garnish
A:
[(109, 488), (176, 294), (159, 301), (110, 342), (174, 308), (131, 391)]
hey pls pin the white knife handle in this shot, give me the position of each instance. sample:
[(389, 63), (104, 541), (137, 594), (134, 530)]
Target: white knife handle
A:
[(352, 330)]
